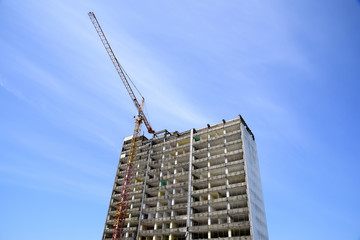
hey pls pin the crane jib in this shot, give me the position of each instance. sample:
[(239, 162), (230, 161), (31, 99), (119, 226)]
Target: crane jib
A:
[(119, 69)]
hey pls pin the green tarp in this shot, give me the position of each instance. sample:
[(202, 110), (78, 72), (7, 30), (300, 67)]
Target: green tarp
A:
[(197, 138), (162, 183)]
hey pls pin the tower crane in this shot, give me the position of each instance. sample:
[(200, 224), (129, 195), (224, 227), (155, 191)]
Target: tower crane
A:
[(122, 204)]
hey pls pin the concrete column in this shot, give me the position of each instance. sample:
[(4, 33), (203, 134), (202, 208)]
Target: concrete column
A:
[(229, 233), (229, 221), (210, 209), (172, 199), (188, 234)]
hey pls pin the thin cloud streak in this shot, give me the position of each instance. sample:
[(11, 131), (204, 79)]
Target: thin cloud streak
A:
[(51, 85), (51, 183)]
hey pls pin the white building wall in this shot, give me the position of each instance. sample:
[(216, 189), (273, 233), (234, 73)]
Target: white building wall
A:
[(257, 208)]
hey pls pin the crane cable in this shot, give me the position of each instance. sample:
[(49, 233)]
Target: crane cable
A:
[(128, 77)]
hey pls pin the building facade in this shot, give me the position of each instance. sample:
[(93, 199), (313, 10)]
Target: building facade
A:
[(198, 184)]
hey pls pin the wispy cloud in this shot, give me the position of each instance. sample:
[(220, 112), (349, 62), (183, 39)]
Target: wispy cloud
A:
[(164, 99), (50, 182)]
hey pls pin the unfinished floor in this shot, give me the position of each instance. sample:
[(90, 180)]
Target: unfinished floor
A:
[(198, 184)]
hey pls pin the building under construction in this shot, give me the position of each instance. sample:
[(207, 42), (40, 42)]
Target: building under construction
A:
[(199, 184)]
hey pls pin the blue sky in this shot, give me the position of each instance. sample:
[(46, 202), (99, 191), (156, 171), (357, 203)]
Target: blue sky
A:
[(291, 68)]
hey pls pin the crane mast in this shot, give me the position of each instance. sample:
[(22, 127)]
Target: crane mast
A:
[(122, 204)]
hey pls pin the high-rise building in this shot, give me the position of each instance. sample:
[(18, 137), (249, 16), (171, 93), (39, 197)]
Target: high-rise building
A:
[(199, 184)]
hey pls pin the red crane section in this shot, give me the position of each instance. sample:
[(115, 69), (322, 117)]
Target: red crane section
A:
[(122, 204)]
